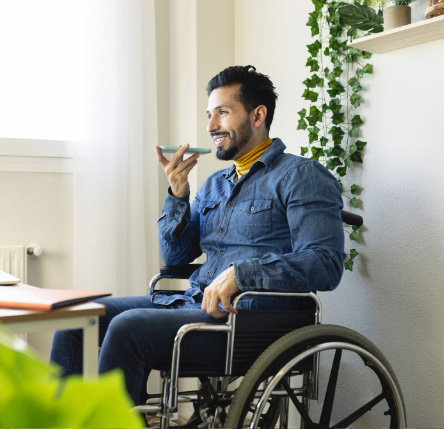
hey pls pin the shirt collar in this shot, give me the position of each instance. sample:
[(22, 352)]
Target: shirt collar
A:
[(276, 149)]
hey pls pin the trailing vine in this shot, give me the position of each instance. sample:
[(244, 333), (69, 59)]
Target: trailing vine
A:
[(333, 90)]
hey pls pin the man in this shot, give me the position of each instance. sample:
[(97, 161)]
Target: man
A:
[(271, 221)]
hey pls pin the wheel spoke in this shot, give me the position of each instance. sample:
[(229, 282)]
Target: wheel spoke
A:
[(301, 409), (359, 412), (331, 389)]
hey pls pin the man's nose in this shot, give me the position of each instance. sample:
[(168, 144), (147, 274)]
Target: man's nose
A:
[(213, 125)]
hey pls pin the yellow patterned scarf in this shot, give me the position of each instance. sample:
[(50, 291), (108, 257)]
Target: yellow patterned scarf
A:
[(244, 163)]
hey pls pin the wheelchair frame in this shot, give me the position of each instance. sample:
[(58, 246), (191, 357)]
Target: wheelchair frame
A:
[(277, 385)]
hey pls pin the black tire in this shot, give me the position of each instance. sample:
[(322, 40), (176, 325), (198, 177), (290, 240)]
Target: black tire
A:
[(373, 375)]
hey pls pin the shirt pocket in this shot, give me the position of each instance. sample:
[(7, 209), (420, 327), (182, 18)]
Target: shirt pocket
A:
[(207, 210), (254, 218)]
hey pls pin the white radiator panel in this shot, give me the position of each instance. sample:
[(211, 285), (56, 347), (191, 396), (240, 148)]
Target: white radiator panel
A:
[(13, 260)]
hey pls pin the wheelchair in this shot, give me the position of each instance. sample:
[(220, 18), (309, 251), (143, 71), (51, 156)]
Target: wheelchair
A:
[(282, 368)]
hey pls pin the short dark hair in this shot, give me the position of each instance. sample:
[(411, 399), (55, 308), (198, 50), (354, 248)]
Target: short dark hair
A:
[(255, 88)]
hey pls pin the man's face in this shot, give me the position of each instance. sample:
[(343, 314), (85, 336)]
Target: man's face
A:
[(228, 123)]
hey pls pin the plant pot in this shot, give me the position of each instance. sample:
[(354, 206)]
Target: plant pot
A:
[(396, 16)]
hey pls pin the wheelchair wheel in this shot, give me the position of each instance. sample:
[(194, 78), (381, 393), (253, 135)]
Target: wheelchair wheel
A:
[(351, 367)]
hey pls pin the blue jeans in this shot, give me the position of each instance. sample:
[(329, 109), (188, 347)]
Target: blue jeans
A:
[(137, 336)]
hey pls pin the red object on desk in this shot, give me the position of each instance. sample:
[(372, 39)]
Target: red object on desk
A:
[(26, 297)]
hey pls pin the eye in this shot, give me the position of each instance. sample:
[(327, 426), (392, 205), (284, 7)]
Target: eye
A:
[(223, 112)]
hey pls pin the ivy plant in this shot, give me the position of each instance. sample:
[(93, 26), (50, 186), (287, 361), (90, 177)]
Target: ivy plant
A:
[(333, 90)]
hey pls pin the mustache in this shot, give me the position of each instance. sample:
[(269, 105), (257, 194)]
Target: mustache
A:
[(215, 134)]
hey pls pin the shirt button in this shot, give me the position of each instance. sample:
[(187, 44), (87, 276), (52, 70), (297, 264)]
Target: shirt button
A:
[(208, 272), (230, 204), (182, 204), (252, 209), (221, 250), (252, 283), (221, 229)]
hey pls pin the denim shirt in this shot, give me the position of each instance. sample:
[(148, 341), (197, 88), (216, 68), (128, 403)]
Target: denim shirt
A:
[(279, 225)]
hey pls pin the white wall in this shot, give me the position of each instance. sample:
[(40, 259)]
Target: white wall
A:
[(395, 293), (38, 207)]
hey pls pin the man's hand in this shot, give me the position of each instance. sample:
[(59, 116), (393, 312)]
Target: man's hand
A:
[(220, 290), (177, 170)]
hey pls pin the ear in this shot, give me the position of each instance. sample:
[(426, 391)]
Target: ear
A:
[(259, 115)]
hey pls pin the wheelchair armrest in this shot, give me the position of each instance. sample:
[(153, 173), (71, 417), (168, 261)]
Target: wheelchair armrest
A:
[(179, 271), (172, 272)]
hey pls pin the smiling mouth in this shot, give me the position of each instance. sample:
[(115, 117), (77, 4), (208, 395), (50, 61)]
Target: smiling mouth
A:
[(219, 139)]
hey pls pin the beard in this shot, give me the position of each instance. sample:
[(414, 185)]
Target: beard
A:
[(238, 139)]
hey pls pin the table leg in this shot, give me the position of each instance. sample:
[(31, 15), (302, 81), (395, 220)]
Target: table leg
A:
[(90, 348)]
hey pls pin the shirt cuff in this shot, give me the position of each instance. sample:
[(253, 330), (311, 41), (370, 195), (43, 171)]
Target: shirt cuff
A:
[(248, 274), (176, 207)]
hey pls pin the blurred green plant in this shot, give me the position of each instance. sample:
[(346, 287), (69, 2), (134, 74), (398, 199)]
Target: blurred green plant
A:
[(33, 395)]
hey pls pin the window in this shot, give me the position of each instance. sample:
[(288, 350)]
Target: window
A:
[(42, 75)]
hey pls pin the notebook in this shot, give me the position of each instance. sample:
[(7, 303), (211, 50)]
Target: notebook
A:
[(7, 279), (26, 297)]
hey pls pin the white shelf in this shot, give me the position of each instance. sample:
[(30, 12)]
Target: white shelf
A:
[(419, 32)]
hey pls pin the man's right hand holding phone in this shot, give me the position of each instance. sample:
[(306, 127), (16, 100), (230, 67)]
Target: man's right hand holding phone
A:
[(177, 170)]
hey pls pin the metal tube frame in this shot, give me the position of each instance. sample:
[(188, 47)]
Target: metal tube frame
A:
[(229, 328)]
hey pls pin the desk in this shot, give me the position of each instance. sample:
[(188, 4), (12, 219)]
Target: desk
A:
[(81, 316)]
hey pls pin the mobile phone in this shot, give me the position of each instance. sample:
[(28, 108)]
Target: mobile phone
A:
[(174, 149)]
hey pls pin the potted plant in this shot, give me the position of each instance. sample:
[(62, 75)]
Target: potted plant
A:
[(396, 12)]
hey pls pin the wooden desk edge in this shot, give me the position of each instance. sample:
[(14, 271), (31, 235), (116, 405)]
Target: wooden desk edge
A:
[(80, 310)]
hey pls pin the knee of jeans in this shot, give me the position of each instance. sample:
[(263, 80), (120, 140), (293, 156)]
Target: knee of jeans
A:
[(124, 327)]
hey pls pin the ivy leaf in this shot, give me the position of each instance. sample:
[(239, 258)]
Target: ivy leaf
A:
[(313, 23), (354, 202), (302, 125), (314, 48), (353, 253), (332, 163), (337, 118), (337, 71), (356, 157), (302, 113), (368, 68), (313, 134), (313, 64), (316, 153), (360, 144), (319, 4), (335, 105), (304, 150), (337, 151), (335, 88), (356, 121), (354, 236), (366, 55), (310, 95), (355, 189), (341, 171), (336, 133), (353, 55), (348, 265), (355, 100), (315, 116), (355, 85), (353, 132)]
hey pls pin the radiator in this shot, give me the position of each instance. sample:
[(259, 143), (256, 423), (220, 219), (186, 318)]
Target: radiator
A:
[(13, 260)]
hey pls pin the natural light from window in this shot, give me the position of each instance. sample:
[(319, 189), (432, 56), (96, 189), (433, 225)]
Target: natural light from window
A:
[(42, 52)]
